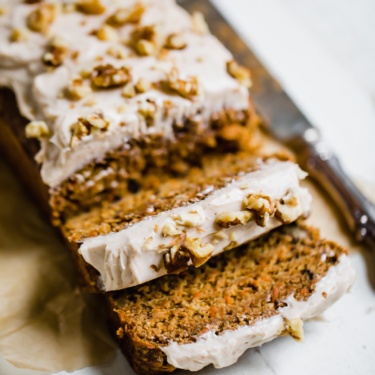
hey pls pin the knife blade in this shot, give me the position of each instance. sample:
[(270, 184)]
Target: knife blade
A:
[(286, 123)]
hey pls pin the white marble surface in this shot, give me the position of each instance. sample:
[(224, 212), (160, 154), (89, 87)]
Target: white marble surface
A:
[(323, 53)]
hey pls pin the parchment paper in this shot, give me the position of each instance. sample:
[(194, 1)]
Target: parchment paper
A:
[(46, 323)]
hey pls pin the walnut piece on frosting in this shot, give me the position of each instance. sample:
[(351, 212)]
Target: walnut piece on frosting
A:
[(90, 6), (86, 126), (41, 18), (106, 33), (19, 35), (198, 23), (199, 253), (288, 208), (295, 328), (145, 40), (142, 85), (261, 206), (175, 41), (128, 91), (170, 229), (230, 219), (77, 89), (107, 76), (37, 129), (190, 219), (122, 16), (57, 50), (240, 73), (147, 109), (187, 88)]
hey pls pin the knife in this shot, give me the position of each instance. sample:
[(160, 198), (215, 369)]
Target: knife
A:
[(287, 124)]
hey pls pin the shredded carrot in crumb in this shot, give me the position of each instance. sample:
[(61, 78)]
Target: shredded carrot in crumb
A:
[(196, 294), (213, 311), (228, 300)]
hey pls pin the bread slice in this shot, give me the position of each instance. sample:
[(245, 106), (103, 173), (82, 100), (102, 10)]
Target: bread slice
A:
[(232, 199), (240, 299), (109, 98)]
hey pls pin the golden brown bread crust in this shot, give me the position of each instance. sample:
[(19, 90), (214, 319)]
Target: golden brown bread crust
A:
[(234, 289)]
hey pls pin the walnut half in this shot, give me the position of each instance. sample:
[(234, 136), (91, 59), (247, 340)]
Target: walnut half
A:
[(107, 76), (41, 18), (288, 208), (57, 50), (230, 219), (262, 206), (122, 16), (37, 129), (187, 88), (90, 6), (199, 253)]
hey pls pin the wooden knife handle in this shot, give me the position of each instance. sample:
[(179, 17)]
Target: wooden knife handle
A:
[(359, 213)]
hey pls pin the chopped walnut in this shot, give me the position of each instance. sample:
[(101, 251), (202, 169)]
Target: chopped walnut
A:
[(175, 41), (90, 6), (190, 219), (295, 328), (199, 253), (128, 91), (229, 219), (199, 24), (37, 129), (142, 85), (144, 40), (19, 35), (261, 206), (40, 19), (107, 76), (187, 88), (170, 229), (106, 33), (240, 73), (288, 208), (57, 50), (122, 16), (77, 89), (87, 125), (176, 260), (147, 109), (145, 47)]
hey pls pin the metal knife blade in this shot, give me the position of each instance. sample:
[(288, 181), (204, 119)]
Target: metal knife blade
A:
[(286, 123)]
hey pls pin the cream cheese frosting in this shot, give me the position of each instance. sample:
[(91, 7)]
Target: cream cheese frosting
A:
[(41, 90), (206, 228), (225, 349)]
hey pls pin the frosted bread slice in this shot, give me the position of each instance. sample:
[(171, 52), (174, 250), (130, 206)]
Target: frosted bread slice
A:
[(240, 299), (231, 200), (111, 89)]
